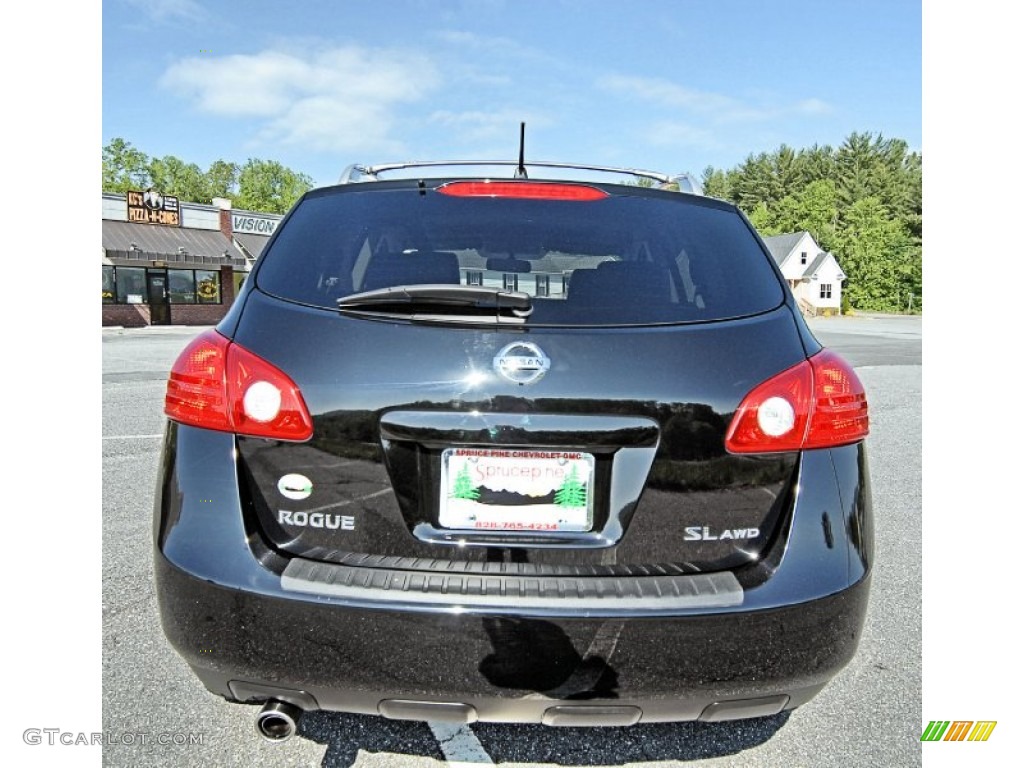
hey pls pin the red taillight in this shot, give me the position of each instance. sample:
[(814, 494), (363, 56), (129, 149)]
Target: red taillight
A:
[(196, 392), (217, 384), (840, 406), (819, 403), (529, 190)]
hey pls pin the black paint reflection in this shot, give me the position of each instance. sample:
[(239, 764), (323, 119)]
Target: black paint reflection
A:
[(662, 473), (535, 655), (348, 435), (691, 446)]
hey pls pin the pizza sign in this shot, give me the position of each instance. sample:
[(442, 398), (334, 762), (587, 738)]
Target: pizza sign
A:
[(151, 207)]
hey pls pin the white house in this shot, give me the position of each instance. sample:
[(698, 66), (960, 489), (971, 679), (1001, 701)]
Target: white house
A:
[(814, 275)]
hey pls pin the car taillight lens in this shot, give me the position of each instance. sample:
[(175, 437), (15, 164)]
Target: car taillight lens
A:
[(529, 190), (217, 384), (819, 403)]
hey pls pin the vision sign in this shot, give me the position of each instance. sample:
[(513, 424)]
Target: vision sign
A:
[(258, 225)]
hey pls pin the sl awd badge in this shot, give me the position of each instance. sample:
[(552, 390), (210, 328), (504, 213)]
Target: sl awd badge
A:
[(522, 362), (295, 487)]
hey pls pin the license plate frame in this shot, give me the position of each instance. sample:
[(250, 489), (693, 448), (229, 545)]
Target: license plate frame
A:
[(516, 490)]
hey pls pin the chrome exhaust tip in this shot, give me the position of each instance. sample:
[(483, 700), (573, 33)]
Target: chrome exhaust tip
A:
[(278, 721)]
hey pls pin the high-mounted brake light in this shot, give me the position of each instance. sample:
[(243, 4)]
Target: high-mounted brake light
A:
[(819, 403), (217, 384), (526, 190)]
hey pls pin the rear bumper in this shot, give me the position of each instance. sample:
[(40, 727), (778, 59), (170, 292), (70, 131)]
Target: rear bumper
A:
[(463, 667), (225, 610)]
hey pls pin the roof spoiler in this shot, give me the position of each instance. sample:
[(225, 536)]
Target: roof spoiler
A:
[(682, 182)]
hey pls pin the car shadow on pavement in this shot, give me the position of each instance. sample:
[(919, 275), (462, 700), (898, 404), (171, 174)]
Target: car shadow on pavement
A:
[(617, 746), (347, 735)]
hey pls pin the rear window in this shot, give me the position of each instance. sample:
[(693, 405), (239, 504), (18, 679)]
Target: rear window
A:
[(635, 258)]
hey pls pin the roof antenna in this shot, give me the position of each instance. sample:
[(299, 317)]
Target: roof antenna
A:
[(521, 170)]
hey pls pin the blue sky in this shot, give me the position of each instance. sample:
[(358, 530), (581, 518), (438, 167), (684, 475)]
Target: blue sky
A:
[(668, 85)]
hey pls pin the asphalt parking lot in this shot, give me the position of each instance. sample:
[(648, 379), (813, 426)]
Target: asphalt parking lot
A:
[(157, 713)]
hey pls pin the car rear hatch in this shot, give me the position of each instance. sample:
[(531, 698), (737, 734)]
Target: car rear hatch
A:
[(534, 375)]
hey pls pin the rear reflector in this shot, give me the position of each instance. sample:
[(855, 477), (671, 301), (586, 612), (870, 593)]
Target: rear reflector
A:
[(528, 190), (217, 384), (840, 412), (196, 393), (819, 403)]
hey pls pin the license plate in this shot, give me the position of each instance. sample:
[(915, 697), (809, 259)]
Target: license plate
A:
[(485, 489)]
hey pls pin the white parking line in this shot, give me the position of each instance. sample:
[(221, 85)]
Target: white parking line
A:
[(584, 678), (347, 502), (460, 745)]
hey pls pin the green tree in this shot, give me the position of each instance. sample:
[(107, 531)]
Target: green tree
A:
[(266, 185), (756, 183), (814, 208), (716, 183), (859, 169), (173, 176), (464, 488), (222, 179), (881, 260), (817, 164), (124, 167), (862, 201), (873, 166), (787, 171), (261, 185), (763, 220), (572, 493)]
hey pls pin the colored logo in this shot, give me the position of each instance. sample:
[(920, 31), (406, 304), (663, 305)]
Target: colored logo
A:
[(958, 730), (295, 487)]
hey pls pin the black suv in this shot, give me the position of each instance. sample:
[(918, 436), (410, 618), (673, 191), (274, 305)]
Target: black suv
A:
[(507, 449)]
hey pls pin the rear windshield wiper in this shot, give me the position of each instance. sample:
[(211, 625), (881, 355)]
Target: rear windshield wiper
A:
[(442, 302)]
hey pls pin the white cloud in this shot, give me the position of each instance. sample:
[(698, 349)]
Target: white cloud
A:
[(170, 10), (814, 107), (338, 99), (666, 93), (668, 133), (327, 124), (489, 45), (712, 106), (239, 86), (479, 126), (493, 55)]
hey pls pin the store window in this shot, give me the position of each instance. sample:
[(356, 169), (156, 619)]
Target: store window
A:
[(127, 285), (182, 284), (109, 289), (208, 286), (131, 285)]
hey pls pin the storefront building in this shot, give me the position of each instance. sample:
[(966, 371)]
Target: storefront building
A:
[(167, 262)]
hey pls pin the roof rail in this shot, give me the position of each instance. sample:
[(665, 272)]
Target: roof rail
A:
[(358, 173)]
